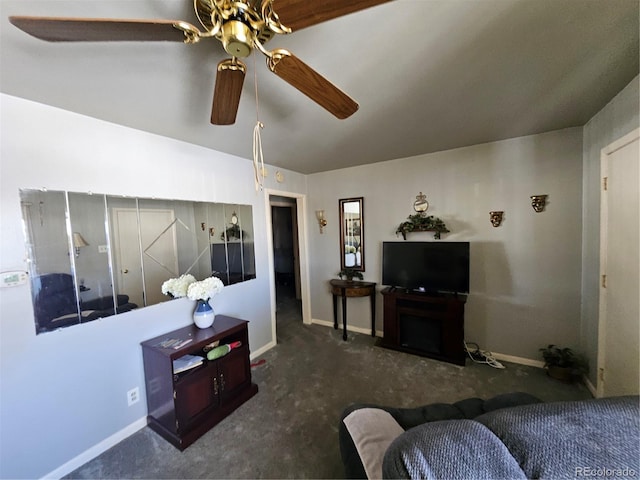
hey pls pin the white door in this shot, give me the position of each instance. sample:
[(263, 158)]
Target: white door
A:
[(619, 329), (128, 266), (159, 253)]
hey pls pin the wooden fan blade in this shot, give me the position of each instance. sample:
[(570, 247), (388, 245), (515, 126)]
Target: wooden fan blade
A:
[(297, 14), (54, 29), (301, 76), (226, 94)]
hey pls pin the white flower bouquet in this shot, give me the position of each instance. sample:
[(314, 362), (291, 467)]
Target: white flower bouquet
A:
[(177, 287), (205, 289)]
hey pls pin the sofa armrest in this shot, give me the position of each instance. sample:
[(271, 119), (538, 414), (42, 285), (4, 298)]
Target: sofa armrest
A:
[(411, 417), (451, 449)]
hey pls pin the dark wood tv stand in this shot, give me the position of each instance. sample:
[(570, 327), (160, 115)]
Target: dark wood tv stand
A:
[(427, 324)]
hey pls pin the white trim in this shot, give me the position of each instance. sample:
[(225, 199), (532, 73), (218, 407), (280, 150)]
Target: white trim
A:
[(590, 386), (97, 449), (498, 356), (519, 360), (305, 289), (350, 328), (261, 351)]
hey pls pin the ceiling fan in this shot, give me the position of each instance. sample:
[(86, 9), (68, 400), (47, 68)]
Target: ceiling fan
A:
[(241, 26)]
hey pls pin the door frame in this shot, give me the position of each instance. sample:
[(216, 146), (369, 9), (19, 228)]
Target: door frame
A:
[(604, 220), (293, 211), (305, 291)]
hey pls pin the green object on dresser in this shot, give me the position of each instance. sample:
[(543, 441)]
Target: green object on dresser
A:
[(222, 350)]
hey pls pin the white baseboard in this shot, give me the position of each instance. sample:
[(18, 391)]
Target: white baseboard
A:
[(590, 386), (350, 328), (117, 437), (519, 360), (97, 449), (262, 350), (498, 356)]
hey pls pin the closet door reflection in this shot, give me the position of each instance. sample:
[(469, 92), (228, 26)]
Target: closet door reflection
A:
[(126, 254)]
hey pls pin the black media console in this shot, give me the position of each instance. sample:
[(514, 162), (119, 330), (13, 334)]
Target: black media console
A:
[(427, 324)]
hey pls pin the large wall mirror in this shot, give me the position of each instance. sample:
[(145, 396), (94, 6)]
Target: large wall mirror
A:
[(92, 255), (351, 233)]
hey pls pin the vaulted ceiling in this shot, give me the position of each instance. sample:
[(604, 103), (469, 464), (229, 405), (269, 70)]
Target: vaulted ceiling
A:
[(429, 75)]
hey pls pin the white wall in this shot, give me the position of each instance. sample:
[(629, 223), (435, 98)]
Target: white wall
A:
[(525, 274), (619, 117), (64, 392)]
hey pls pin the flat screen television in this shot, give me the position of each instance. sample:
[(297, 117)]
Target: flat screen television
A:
[(435, 267)]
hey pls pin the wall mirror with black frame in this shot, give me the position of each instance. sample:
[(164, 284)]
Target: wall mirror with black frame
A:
[(351, 214), (92, 255)]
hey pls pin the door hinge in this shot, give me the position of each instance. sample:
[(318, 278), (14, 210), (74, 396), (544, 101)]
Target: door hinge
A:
[(601, 374), (604, 183), (604, 281)]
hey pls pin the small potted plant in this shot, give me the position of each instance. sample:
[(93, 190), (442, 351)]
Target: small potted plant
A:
[(563, 363), (350, 274)]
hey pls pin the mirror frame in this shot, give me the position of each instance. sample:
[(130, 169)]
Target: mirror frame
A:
[(58, 266), (345, 231)]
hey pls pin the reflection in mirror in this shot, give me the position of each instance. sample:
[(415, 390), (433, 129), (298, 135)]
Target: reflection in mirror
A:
[(92, 256), (352, 233), (125, 248), (55, 302), (233, 249)]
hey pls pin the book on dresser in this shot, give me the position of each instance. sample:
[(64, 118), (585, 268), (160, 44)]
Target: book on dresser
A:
[(186, 362)]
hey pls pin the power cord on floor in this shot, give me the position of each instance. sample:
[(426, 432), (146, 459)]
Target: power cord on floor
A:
[(481, 356)]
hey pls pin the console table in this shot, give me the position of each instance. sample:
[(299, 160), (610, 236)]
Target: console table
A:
[(354, 288), (183, 406)]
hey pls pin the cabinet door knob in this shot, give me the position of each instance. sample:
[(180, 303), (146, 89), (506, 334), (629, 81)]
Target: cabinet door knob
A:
[(215, 385)]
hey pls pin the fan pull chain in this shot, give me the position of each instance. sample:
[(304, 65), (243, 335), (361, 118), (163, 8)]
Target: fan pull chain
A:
[(258, 158)]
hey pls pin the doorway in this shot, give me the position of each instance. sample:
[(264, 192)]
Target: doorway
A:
[(619, 349), (286, 261)]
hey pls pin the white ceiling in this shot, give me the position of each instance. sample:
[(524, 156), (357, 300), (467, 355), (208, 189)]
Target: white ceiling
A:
[(429, 75)]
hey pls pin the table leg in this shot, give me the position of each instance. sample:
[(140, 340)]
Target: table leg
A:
[(344, 316), (335, 312), (373, 314)]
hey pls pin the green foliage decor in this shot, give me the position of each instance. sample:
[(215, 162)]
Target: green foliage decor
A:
[(232, 232), (564, 358), (350, 274), (422, 223)]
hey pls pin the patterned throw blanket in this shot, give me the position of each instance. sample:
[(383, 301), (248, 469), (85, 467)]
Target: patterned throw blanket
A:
[(590, 438)]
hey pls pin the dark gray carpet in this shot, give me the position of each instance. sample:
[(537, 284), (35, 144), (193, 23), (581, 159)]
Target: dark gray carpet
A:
[(289, 429)]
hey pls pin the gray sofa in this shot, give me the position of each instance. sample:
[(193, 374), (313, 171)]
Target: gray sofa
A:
[(509, 436)]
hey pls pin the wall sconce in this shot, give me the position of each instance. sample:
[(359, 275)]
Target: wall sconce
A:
[(496, 218), (78, 242), (538, 202), (321, 220)]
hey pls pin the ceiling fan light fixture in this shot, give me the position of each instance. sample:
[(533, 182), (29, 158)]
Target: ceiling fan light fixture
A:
[(237, 38)]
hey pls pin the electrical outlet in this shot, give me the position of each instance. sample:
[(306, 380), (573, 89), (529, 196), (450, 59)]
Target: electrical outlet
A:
[(103, 248), (133, 396)]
